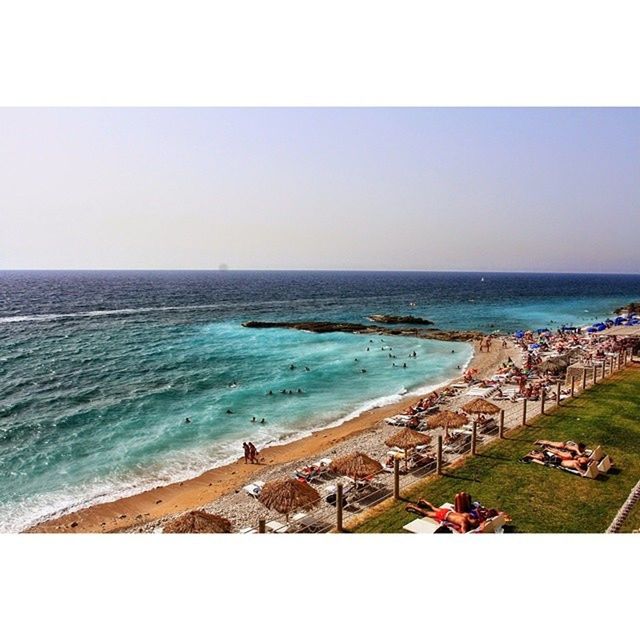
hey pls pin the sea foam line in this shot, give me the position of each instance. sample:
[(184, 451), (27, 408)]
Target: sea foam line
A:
[(50, 317)]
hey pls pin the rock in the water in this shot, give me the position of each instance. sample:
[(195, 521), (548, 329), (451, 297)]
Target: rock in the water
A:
[(399, 319)]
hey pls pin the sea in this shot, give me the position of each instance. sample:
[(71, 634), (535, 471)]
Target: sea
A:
[(114, 382)]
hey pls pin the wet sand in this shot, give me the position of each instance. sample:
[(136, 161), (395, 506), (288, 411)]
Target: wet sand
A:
[(146, 507)]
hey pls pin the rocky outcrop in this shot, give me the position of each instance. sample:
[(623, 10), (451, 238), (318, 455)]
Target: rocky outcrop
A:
[(399, 319), (632, 307), (349, 327)]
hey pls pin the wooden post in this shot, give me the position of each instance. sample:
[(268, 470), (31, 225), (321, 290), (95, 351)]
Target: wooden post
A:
[(474, 438), (501, 427), (524, 412), (439, 458), (558, 393), (573, 386), (612, 362), (396, 478), (543, 397), (339, 495), (595, 373), (584, 378), (262, 526)]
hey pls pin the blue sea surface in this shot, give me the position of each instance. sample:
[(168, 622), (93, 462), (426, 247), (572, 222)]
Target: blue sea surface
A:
[(99, 370)]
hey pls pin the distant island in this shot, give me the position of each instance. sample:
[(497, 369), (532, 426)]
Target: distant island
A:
[(398, 319)]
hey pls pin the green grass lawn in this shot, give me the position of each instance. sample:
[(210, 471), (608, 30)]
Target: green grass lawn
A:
[(538, 498)]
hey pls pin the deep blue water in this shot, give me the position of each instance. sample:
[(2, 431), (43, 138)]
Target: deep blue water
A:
[(98, 370)]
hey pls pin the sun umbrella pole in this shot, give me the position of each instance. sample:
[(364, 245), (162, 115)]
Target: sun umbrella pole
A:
[(396, 479), (339, 507)]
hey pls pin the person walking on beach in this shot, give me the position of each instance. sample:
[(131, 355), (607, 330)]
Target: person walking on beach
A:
[(247, 452), (253, 453)]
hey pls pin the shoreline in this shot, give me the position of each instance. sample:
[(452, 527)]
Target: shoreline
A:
[(148, 506)]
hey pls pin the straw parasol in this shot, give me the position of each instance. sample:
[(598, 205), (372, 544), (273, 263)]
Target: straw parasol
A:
[(288, 494), (356, 465), (480, 405), (407, 439), (198, 522), (447, 419)]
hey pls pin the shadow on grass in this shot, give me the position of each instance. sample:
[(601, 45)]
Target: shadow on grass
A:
[(460, 477)]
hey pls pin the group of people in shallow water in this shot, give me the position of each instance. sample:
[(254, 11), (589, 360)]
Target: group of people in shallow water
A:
[(250, 453)]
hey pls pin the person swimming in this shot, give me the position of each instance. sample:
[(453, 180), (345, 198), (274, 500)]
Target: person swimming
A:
[(262, 421), (253, 419), (187, 420), (229, 411), (270, 393)]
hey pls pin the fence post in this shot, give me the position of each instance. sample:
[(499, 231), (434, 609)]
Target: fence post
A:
[(396, 478), (439, 458), (339, 507), (474, 437), (573, 386), (262, 526), (584, 378), (524, 412), (558, 388), (501, 427), (595, 374), (543, 397)]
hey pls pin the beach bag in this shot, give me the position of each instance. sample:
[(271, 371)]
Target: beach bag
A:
[(463, 502)]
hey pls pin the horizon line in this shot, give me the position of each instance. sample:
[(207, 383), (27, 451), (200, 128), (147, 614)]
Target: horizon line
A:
[(312, 270)]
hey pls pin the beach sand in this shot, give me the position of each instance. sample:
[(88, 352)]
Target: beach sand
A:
[(140, 510)]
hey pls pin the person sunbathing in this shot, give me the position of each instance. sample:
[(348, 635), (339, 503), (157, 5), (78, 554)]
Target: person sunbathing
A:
[(577, 448), (559, 459), (463, 522)]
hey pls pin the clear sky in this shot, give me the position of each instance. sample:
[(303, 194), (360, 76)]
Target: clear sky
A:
[(424, 189)]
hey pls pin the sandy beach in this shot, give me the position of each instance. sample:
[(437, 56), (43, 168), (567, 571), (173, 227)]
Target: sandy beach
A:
[(137, 512)]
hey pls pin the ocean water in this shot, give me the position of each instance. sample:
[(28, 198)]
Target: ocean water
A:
[(98, 370)]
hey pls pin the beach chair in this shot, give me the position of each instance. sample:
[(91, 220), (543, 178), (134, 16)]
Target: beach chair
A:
[(605, 464), (597, 454), (422, 525), (254, 488), (592, 471), (273, 526)]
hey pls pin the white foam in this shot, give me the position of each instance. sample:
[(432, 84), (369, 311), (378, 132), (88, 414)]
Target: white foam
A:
[(50, 317)]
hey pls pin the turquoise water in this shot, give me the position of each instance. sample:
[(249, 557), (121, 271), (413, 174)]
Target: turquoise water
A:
[(99, 371)]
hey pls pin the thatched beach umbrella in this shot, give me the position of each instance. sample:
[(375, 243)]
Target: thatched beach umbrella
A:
[(356, 465), (286, 495), (407, 439), (198, 522), (447, 419), (480, 405)]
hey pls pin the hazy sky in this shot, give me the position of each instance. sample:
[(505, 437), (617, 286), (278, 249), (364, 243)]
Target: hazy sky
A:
[(441, 189)]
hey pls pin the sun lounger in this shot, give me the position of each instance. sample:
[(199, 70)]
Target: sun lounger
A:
[(421, 525), (429, 525), (273, 526), (605, 464), (591, 471), (254, 488)]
